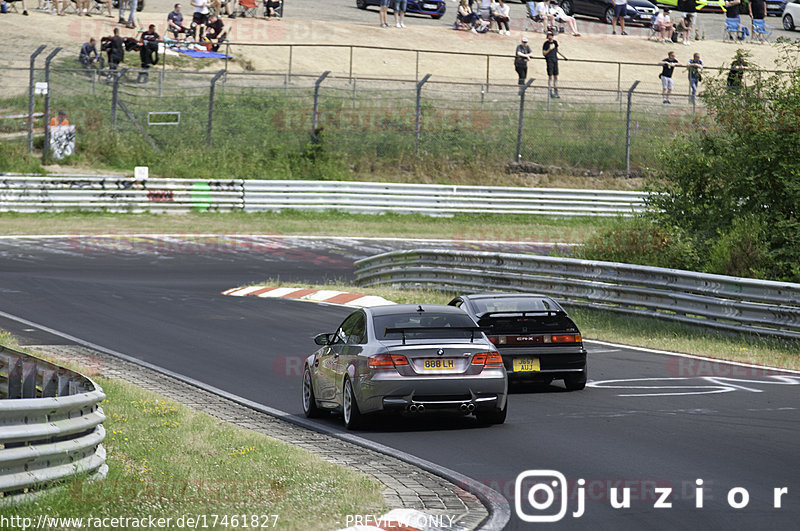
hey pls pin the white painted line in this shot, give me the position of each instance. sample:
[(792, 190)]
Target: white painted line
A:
[(241, 292), (690, 356)]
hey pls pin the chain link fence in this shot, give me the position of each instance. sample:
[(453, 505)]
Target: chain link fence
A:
[(590, 127)]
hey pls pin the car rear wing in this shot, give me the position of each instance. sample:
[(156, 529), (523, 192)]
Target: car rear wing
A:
[(403, 331), (524, 313)]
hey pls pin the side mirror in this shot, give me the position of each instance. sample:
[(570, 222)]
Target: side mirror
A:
[(322, 339)]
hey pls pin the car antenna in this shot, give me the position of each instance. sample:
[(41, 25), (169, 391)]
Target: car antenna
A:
[(420, 309)]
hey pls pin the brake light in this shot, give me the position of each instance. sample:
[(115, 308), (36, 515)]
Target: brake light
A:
[(576, 338), (479, 358), (494, 359), (387, 361), (493, 340)]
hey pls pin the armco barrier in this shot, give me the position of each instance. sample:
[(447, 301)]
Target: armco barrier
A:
[(732, 303), (50, 425), (37, 193)]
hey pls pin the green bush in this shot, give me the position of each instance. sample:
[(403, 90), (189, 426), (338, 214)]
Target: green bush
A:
[(743, 251), (639, 241)]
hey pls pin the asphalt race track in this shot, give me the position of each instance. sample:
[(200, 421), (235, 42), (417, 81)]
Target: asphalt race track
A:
[(648, 421)]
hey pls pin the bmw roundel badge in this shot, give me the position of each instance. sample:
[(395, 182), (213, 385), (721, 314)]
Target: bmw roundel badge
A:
[(440, 352)]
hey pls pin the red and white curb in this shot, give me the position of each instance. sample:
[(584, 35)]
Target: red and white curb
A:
[(403, 520), (324, 296)]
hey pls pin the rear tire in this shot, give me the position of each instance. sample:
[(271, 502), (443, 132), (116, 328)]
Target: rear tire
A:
[(575, 382), (496, 416), (310, 408), (788, 22), (353, 419)]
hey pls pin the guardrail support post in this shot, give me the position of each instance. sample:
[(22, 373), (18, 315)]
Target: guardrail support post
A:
[(419, 112), (46, 147), (31, 86), (522, 90), (315, 117), (628, 131), (211, 105)]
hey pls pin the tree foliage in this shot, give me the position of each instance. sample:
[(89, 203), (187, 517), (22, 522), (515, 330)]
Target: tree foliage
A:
[(731, 185)]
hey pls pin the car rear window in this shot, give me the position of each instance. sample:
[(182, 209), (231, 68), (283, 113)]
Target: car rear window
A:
[(527, 325), (422, 320), (512, 304)]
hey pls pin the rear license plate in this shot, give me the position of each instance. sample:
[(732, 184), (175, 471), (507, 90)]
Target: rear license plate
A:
[(438, 364), (526, 364)]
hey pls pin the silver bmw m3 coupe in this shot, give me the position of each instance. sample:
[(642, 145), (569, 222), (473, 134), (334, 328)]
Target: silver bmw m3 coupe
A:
[(407, 359)]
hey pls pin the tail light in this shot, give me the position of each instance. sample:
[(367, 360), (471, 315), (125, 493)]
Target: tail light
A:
[(387, 361), (487, 359), (494, 359), (572, 338)]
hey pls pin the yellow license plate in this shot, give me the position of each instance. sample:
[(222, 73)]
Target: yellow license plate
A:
[(526, 364), (438, 364)]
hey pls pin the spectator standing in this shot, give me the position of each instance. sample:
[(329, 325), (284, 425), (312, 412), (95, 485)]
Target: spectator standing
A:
[(175, 22), (399, 10), (550, 52), (695, 67), (215, 31), (384, 10), (521, 59), (663, 24), (199, 18), (88, 55), (736, 73), (757, 9), (115, 48), (131, 5), (148, 51), (620, 10), (667, 68), (501, 14), (732, 12), (60, 119), (270, 8)]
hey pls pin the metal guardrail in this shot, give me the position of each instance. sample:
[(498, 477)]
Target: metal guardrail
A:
[(731, 303), (50, 425), (38, 193)]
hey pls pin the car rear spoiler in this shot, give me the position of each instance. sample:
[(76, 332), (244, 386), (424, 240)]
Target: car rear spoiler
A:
[(402, 331), (524, 313)]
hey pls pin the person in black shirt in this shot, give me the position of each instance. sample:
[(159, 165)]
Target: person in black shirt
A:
[(115, 48), (757, 9), (148, 51), (214, 31), (521, 60), (667, 67), (551, 53), (736, 73)]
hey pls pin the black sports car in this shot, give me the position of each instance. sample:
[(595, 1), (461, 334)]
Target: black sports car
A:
[(434, 8), (536, 338)]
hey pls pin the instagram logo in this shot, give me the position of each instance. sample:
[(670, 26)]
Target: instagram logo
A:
[(535, 493)]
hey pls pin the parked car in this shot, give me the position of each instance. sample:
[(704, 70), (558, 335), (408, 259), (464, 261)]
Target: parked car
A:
[(434, 8), (716, 6), (406, 359), (639, 11), (791, 15), (536, 338), (776, 7)]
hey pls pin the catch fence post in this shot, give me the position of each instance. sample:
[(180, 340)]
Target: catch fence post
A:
[(522, 90), (211, 105), (315, 116), (47, 61), (419, 112), (628, 131), (31, 86), (115, 97)]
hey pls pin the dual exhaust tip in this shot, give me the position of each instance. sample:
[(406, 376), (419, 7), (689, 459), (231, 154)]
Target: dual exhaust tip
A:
[(416, 408), (467, 408)]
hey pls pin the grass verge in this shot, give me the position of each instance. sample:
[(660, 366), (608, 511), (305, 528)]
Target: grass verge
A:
[(168, 461), (492, 227), (628, 330)]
